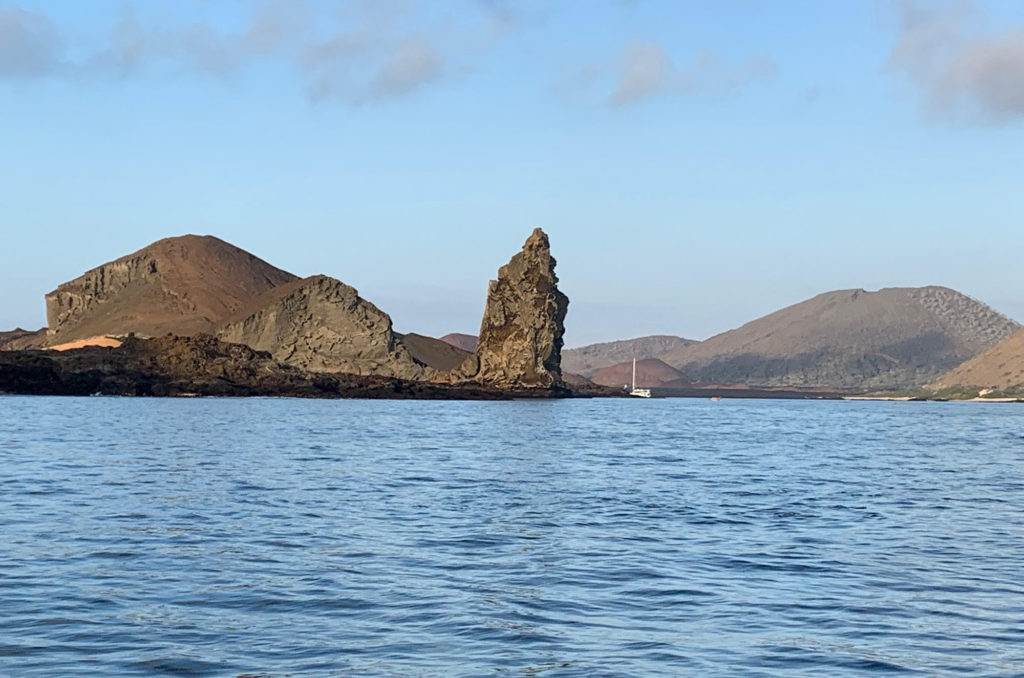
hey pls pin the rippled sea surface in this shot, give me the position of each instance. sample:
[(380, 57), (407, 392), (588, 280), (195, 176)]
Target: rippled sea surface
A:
[(266, 537)]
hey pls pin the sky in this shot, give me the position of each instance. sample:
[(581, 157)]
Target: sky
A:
[(695, 164)]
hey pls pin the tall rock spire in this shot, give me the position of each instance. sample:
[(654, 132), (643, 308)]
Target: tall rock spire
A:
[(521, 331)]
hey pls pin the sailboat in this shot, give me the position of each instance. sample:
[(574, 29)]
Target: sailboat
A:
[(638, 392)]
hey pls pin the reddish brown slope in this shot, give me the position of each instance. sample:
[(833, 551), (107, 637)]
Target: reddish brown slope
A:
[(182, 285), (650, 372), (586, 360), (1000, 368), (467, 342)]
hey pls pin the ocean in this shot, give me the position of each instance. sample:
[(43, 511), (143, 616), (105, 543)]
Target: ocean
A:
[(279, 537)]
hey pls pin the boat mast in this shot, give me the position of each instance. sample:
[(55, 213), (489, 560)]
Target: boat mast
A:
[(634, 373)]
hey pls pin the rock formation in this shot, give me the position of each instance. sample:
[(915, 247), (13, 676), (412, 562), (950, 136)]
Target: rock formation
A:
[(520, 341), (322, 325), (183, 285)]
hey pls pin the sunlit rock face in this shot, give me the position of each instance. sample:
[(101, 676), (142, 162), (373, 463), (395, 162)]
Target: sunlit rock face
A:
[(520, 343), (321, 324)]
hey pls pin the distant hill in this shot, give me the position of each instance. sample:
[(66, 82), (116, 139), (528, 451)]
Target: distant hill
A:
[(1000, 368), (467, 342), (180, 285), (18, 339), (432, 352), (895, 337), (586, 360), (650, 372)]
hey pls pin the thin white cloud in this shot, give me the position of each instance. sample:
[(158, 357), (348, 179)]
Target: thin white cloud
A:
[(646, 70), (962, 71)]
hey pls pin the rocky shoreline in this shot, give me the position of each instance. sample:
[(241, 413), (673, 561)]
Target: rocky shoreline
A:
[(202, 365)]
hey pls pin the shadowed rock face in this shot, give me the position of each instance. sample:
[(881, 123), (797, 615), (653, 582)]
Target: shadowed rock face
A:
[(520, 345), (322, 325)]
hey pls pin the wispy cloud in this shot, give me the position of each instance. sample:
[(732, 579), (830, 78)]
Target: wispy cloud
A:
[(29, 44), (355, 51), (413, 62), (646, 70), (962, 71)]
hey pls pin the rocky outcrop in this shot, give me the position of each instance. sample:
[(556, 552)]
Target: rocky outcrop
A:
[(182, 285), (520, 341), (322, 325)]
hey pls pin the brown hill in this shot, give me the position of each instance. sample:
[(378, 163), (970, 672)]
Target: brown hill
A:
[(322, 325), (436, 353), (586, 360), (892, 338), (467, 342), (182, 285), (650, 372), (19, 339), (1000, 368)]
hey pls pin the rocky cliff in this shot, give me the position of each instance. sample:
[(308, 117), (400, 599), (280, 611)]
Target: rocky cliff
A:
[(321, 324), (182, 285), (520, 341)]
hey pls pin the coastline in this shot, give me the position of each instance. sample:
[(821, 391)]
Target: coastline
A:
[(203, 366)]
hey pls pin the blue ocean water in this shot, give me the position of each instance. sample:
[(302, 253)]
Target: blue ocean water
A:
[(275, 537)]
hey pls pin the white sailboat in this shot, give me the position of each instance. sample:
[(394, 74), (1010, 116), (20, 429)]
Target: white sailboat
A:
[(638, 392)]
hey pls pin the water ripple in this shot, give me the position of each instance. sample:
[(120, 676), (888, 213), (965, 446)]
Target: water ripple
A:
[(270, 537)]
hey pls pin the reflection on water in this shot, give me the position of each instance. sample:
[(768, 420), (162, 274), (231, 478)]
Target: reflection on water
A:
[(577, 538)]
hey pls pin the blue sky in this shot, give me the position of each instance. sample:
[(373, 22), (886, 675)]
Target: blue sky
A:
[(696, 164)]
